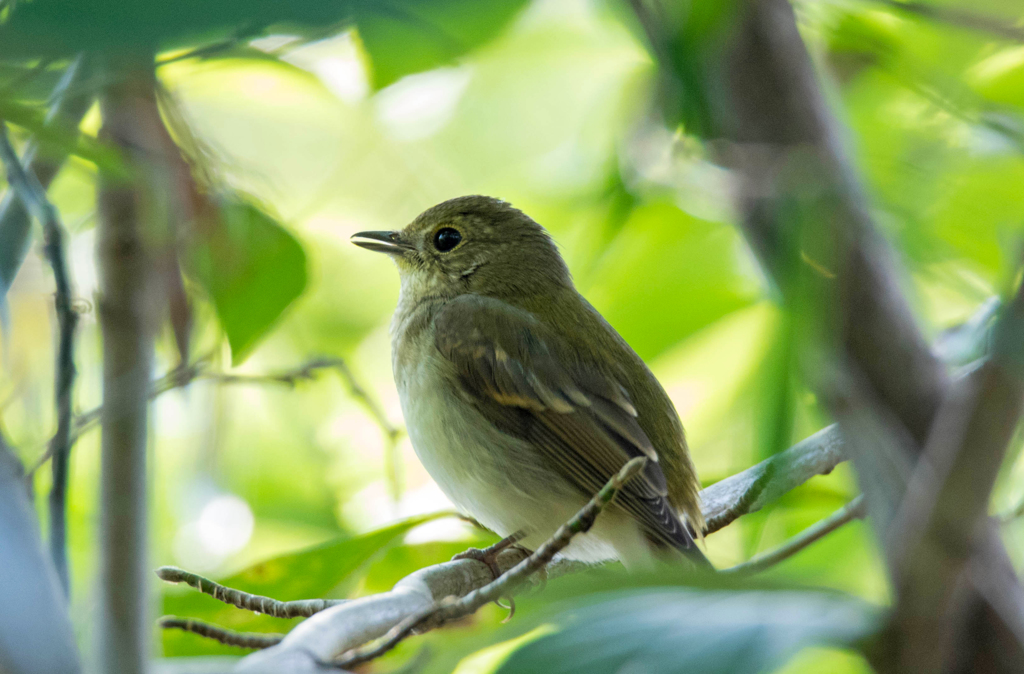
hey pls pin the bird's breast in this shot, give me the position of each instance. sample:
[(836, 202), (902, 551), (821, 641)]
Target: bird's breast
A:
[(461, 450), (498, 479)]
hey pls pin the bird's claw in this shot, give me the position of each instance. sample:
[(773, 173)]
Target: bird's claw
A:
[(489, 556)]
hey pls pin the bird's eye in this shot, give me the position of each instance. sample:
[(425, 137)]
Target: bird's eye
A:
[(446, 239)]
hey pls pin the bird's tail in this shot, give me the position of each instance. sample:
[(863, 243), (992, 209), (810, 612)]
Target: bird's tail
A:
[(694, 555)]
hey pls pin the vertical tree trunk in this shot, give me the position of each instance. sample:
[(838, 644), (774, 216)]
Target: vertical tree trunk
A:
[(127, 321)]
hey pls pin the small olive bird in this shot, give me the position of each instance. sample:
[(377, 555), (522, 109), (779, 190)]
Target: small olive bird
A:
[(520, 399)]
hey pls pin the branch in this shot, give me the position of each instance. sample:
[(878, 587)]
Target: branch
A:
[(960, 19), (747, 492), (800, 197), (33, 196), (256, 640), (303, 608), (452, 608), (849, 512), (943, 517), (332, 632), (183, 376)]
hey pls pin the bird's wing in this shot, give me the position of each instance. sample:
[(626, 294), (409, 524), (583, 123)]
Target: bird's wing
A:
[(522, 378)]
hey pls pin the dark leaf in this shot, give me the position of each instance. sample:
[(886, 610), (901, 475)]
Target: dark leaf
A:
[(401, 36), (668, 630), (408, 36)]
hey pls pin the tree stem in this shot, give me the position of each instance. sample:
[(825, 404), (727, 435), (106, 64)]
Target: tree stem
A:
[(126, 321)]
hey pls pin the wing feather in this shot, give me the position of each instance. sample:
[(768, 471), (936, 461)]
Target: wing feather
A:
[(580, 418)]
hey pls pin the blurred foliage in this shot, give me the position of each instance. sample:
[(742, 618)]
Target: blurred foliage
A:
[(348, 116), (313, 572), (252, 270), (670, 629), (400, 36)]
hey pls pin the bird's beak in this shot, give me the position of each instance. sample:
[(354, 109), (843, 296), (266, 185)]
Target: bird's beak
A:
[(382, 242)]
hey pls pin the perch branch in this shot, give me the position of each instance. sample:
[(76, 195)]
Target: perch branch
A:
[(749, 491), (244, 600), (33, 197), (452, 608), (257, 640), (332, 632), (851, 511)]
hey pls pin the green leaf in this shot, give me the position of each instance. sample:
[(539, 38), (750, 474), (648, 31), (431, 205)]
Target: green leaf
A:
[(252, 269), (408, 36), (306, 574), (692, 273), (64, 27), (315, 571), (61, 141), (401, 560), (668, 630), (401, 36)]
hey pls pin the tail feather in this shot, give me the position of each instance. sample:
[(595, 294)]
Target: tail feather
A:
[(683, 542)]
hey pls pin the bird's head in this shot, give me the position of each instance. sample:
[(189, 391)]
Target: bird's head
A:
[(472, 244)]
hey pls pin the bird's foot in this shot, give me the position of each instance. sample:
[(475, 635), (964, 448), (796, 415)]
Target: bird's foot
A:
[(489, 556)]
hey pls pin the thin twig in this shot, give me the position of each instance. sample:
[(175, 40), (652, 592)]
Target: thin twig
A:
[(851, 511), (392, 433), (368, 401), (250, 602), (254, 640), (451, 608), (33, 196), (181, 377)]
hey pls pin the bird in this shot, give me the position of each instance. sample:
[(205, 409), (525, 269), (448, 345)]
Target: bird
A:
[(521, 400)]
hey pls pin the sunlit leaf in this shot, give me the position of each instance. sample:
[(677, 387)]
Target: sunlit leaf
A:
[(401, 560), (56, 137), (668, 274), (668, 630), (312, 572), (252, 269), (1000, 77)]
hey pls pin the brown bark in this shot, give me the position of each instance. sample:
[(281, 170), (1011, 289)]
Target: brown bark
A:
[(127, 317)]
